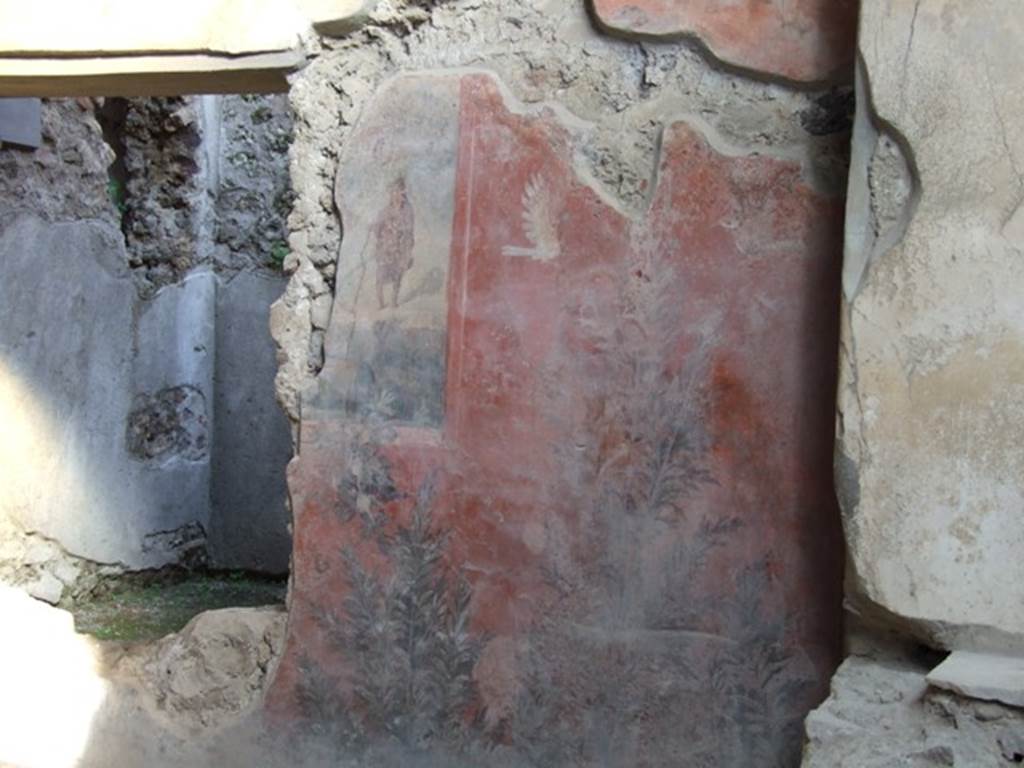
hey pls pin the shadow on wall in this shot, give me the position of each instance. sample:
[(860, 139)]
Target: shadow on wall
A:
[(69, 342), (58, 396), (61, 703), (138, 434)]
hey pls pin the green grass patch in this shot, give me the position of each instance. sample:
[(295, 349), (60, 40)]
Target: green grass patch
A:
[(140, 609)]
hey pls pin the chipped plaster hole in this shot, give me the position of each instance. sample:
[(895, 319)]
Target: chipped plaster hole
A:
[(171, 422)]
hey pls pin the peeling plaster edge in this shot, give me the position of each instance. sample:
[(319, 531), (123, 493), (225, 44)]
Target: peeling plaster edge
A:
[(862, 247), (669, 111), (34, 533), (671, 115), (693, 40)]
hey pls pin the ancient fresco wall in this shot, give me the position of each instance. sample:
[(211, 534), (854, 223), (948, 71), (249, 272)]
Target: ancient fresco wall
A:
[(562, 494), (386, 345)]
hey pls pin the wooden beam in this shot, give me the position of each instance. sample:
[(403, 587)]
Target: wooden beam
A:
[(151, 75)]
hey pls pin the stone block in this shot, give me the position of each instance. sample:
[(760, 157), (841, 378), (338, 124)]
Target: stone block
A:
[(563, 491), (800, 40), (931, 401), (982, 676), (881, 712), (207, 675), (47, 588)]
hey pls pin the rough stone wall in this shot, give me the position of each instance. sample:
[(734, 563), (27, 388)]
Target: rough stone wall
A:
[(165, 181), (207, 184), (883, 712), (66, 178), (254, 195)]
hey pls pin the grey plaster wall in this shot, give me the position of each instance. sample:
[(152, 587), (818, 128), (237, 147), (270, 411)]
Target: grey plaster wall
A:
[(136, 366), (251, 435), (71, 325), (173, 400)]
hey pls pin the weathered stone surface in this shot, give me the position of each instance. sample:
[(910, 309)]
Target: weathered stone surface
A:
[(982, 676), (804, 40), (337, 17), (28, 560), (249, 517), (931, 398), (562, 492), (200, 180), (881, 713), (212, 671), (167, 174), (47, 588), (299, 344)]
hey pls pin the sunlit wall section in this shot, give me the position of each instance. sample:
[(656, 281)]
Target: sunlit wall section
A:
[(86, 459)]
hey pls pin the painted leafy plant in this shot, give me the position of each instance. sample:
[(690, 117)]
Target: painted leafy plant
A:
[(403, 627), (654, 653)]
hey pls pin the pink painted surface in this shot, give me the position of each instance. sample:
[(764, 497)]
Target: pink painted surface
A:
[(802, 40), (619, 544)]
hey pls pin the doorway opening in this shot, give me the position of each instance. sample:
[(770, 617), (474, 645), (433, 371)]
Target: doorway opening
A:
[(143, 475)]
